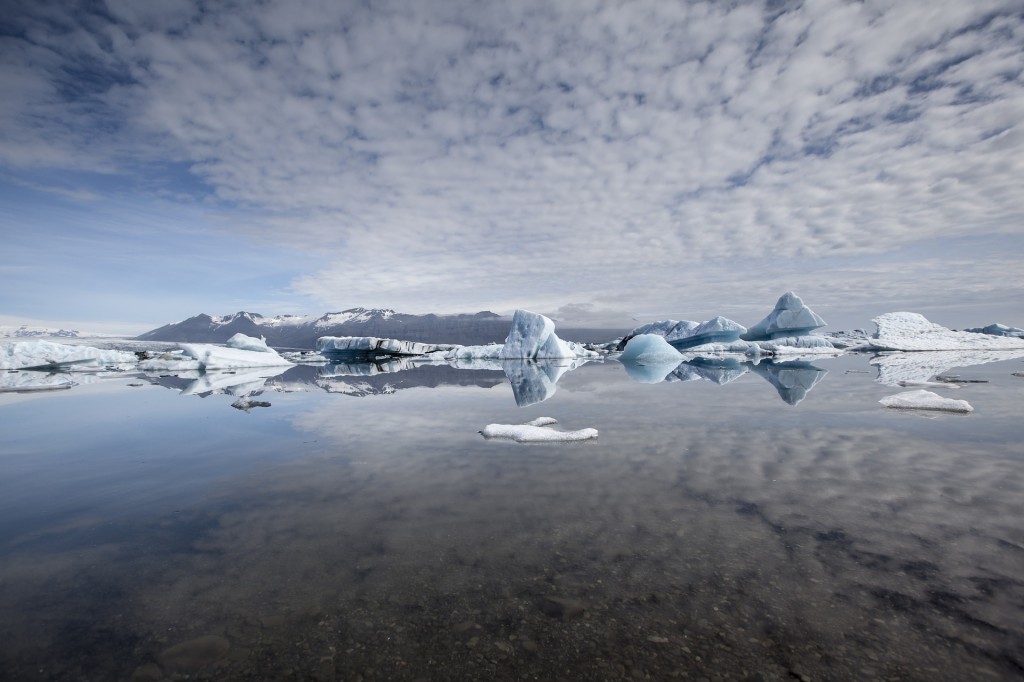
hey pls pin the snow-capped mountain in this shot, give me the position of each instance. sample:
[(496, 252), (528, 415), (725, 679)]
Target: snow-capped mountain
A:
[(296, 331), (26, 332)]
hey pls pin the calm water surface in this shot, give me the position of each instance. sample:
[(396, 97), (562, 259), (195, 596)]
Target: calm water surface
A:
[(780, 526)]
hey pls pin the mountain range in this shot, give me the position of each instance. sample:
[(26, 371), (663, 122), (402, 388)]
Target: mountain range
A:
[(298, 331)]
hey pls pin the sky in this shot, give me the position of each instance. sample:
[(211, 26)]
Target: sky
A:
[(602, 162)]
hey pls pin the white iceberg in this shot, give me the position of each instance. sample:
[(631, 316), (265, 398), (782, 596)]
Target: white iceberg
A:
[(912, 332), (221, 357), (536, 431), (790, 317), (533, 337), (925, 400), (46, 354), (372, 347), (243, 342)]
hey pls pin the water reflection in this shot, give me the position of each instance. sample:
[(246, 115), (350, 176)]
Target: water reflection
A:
[(533, 381), (792, 379), (898, 369)]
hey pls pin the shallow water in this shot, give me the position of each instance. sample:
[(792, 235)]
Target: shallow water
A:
[(361, 528)]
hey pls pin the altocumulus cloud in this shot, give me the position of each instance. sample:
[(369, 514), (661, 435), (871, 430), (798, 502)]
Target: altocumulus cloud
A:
[(446, 155)]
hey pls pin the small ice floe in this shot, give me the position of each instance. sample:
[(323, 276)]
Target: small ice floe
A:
[(246, 403), (925, 400), (536, 431)]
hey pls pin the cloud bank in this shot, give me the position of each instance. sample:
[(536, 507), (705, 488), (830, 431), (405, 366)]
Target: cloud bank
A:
[(452, 155)]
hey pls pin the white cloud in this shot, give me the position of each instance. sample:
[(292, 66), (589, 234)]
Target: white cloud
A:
[(460, 155)]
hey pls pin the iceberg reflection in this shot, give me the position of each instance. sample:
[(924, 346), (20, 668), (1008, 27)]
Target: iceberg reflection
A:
[(792, 379), (533, 381)]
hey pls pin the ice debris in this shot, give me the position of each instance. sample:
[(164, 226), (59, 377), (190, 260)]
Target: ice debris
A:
[(532, 337), (536, 431), (912, 332), (925, 400)]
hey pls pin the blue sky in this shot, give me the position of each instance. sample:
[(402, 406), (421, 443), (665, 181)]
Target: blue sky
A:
[(597, 161)]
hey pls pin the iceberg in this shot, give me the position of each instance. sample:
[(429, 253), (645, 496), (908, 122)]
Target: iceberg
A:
[(997, 329), (790, 317), (243, 342), (210, 356), (925, 400), (912, 332), (716, 330), (650, 349), (363, 348), (533, 337), (536, 431), (47, 355)]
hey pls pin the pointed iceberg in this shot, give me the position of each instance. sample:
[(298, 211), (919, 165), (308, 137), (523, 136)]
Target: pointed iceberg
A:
[(533, 337), (789, 318)]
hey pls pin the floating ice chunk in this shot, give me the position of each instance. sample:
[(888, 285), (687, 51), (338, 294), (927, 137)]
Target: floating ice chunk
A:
[(789, 318), (243, 342), (219, 357), (650, 349), (45, 354), (536, 431), (532, 337), (925, 400), (245, 404), (542, 421), (371, 347), (997, 329), (912, 332)]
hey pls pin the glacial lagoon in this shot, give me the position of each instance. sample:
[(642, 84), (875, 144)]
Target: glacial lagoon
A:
[(737, 522)]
